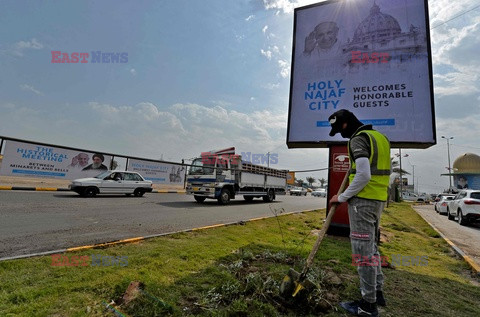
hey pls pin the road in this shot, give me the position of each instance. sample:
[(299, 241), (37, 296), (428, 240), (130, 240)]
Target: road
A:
[(464, 237), (33, 222)]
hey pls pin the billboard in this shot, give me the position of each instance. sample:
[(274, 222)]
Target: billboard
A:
[(158, 173), (35, 160), (370, 57)]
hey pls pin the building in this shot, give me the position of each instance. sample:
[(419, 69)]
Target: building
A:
[(381, 33), (465, 172)]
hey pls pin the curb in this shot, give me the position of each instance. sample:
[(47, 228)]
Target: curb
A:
[(55, 189), (457, 250), (137, 239)]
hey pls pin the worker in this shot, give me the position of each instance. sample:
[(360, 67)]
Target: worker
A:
[(369, 153)]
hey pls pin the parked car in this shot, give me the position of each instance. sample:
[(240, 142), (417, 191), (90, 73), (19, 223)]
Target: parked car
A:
[(408, 196), (442, 203), (298, 191), (112, 182), (319, 192), (465, 206)]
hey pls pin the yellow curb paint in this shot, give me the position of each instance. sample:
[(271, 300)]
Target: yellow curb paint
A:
[(49, 189), (5, 187), (208, 227), (131, 240), (255, 219), (472, 263)]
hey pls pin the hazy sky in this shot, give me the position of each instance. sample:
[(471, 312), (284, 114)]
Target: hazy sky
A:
[(200, 75)]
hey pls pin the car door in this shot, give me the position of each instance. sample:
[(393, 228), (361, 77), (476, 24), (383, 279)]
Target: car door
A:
[(130, 182), (456, 202), (112, 184)]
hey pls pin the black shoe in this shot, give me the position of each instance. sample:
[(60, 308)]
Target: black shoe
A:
[(360, 308), (380, 299)]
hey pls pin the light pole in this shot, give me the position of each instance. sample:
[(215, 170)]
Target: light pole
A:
[(413, 178), (449, 169), (399, 155)]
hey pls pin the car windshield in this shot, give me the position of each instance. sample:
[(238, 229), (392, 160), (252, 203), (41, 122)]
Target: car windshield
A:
[(202, 166), (103, 175)]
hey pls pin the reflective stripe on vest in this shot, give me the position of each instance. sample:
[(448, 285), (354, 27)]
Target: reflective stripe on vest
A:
[(379, 166)]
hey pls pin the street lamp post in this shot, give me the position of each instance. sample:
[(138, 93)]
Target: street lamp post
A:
[(449, 169), (413, 178)]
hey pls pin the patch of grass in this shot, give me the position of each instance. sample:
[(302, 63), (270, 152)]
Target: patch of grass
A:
[(237, 270)]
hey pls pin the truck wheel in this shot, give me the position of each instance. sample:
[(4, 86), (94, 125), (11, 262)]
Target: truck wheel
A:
[(248, 198), (138, 192), (224, 197), (90, 192), (270, 196), (199, 199)]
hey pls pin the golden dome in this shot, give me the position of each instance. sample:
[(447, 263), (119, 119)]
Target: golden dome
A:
[(467, 163)]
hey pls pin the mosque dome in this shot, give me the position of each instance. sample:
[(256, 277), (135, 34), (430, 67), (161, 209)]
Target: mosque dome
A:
[(377, 26), (467, 163)]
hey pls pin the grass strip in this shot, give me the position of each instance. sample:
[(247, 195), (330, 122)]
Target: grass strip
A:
[(236, 271)]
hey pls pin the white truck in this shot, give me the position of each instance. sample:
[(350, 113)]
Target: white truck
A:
[(222, 175)]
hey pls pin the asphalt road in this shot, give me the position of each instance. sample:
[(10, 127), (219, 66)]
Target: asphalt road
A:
[(32, 222), (464, 237)]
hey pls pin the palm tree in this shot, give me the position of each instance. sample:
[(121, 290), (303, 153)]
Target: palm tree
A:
[(322, 181), (310, 180)]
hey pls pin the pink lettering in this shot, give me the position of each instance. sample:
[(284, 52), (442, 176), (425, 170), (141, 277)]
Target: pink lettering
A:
[(55, 55)]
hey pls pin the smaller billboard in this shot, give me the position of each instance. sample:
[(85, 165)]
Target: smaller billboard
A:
[(158, 173)]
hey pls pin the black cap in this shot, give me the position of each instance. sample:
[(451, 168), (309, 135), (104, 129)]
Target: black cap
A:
[(338, 118)]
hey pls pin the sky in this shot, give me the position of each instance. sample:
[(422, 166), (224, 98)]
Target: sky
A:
[(202, 75)]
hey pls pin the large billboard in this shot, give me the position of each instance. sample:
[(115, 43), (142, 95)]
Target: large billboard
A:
[(158, 173), (36, 160), (370, 57)]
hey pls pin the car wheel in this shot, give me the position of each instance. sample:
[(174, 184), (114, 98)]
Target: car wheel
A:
[(90, 192), (270, 196), (248, 198), (461, 219), (199, 199), (450, 216), (138, 192), (224, 197)]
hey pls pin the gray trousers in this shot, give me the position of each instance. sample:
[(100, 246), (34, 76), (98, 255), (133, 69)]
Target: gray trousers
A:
[(364, 217)]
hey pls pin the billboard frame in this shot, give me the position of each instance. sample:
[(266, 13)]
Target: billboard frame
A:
[(327, 144)]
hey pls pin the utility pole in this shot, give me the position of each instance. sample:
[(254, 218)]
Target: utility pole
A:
[(449, 169), (413, 178), (268, 159), (401, 179)]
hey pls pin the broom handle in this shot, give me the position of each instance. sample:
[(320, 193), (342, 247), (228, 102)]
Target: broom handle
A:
[(322, 232)]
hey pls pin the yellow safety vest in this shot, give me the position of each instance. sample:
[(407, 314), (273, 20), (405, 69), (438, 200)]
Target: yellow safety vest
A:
[(380, 168)]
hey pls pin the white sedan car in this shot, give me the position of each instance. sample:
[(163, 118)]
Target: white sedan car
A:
[(112, 182), (465, 206)]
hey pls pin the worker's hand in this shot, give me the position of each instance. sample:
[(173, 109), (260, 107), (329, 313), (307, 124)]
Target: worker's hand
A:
[(334, 200)]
